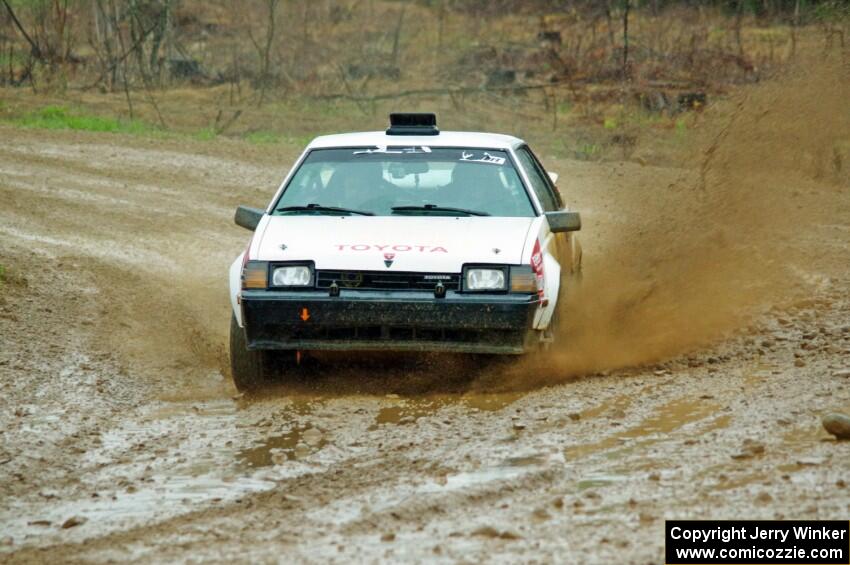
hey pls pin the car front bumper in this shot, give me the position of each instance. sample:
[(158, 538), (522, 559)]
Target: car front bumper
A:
[(389, 320)]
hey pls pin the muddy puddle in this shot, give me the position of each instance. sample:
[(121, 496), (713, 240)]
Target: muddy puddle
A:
[(304, 438), (410, 409), (665, 419), (599, 480), (297, 443), (615, 408), (508, 471), (161, 498), (508, 468)]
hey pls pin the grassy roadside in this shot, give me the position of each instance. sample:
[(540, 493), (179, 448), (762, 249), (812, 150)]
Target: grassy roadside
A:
[(60, 117), (598, 131)]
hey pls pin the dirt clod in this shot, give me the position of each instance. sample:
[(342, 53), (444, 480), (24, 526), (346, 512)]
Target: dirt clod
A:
[(491, 532), (749, 449), (73, 522), (837, 425)]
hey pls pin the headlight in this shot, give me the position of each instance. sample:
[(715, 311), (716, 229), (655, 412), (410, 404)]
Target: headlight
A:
[(484, 279), (292, 275)]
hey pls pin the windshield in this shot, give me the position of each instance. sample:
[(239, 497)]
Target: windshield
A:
[(413, 180)]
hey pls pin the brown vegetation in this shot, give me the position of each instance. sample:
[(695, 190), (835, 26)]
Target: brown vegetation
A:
[(605, 72)]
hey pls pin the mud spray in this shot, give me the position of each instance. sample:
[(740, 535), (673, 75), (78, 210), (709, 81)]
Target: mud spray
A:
[(684, 257), (693, 257)]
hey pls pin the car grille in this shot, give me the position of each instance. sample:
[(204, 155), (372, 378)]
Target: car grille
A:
[(378, 280), (378, 333)]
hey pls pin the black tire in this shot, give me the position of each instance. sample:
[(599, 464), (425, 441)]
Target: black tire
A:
[(251, 370)]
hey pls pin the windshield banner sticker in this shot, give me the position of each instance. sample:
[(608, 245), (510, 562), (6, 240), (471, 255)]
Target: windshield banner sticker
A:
[(394, 151), (487, 158)]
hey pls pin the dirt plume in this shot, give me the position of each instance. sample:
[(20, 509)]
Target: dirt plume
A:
[(167, 321), (687, 258)]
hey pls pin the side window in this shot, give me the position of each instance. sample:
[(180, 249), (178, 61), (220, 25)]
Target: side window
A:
[(536, 176), (559, 202)]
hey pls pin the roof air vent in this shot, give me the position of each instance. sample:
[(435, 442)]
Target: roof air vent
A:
[(413, 124)]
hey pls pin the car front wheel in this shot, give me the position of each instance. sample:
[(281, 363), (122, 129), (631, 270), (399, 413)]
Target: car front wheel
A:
[(251, 370)]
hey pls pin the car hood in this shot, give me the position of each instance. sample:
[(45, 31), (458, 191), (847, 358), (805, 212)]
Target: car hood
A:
[(407, 243)]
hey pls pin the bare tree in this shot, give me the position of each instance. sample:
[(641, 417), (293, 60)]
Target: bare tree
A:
[(795, 23), (103, 40), (113, 8), (397, 34), (626, 8), (609, 21), (264, 49), (48, 38), (35, 49), (739, 13)]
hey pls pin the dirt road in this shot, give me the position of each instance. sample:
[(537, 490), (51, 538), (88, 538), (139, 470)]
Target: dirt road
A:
[(121, 437)]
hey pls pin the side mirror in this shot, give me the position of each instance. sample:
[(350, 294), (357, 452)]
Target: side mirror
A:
[(247, 217), (553, 177), (563, 221)]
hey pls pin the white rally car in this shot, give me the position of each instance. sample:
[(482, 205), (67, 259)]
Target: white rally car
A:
[(410, 239)]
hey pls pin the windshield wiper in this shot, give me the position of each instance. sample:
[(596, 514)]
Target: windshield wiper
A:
[(323, 209), (428, 208)]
